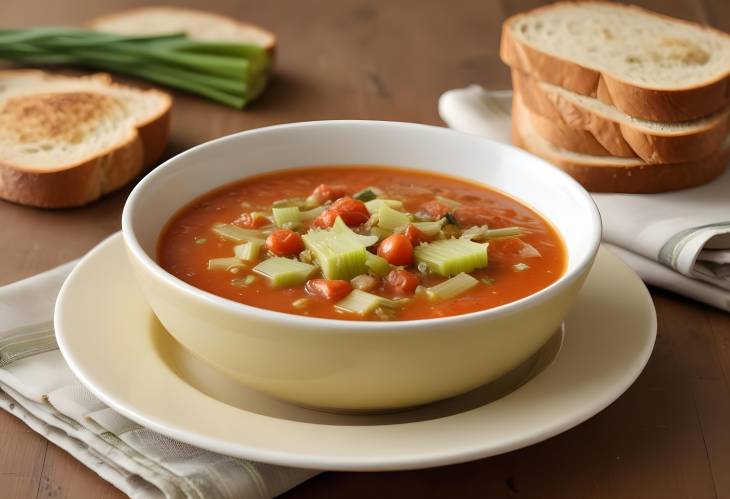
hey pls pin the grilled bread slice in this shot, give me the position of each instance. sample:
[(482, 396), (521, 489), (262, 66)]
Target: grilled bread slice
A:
[(614, 174), (66, 141), (586, 125), (647, 65)]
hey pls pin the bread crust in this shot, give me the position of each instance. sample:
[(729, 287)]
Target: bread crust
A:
[(630, 177), (571, 126), (74, 185), (270, 46), (655, 104)]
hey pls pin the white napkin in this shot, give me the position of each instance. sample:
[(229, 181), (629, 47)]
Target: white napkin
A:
[(678, 240), (37, 386)]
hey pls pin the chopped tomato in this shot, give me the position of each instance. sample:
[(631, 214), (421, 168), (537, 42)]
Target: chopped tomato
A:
[(466, 216), (329, 289), (352, 212), (416, 235), (324, 193), (505, 249), (402, 282), (435, 210), (251, 220), (397, 249), (284, 242)]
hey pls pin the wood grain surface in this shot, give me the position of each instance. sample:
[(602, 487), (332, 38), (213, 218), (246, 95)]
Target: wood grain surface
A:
[(667, 437)]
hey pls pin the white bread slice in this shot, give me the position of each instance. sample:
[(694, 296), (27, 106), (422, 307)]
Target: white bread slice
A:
[(647, 65), (586, 125), (198, 24), (66, 141), (611, 174)]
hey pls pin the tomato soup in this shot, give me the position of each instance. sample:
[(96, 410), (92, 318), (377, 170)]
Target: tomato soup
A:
[(362, 243)]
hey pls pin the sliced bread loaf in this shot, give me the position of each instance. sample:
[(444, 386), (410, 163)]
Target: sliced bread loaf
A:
[(613, 174), (198, 25), (647, 65), (586, 125), (66, 141)]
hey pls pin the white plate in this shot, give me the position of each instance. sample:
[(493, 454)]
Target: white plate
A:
[(117, 348)]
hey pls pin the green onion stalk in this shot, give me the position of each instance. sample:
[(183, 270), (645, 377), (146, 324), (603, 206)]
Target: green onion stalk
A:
[(229, 73)]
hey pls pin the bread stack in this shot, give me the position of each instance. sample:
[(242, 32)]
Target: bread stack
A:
[(622, 99)]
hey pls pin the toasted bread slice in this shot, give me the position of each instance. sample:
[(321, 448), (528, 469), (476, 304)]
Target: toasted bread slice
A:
[(198, 24), (586, 125), (66, 141), (613, 174), (647, 65)]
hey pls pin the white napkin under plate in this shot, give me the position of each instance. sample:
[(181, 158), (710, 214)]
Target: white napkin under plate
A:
[(677, 240), (37, 386)]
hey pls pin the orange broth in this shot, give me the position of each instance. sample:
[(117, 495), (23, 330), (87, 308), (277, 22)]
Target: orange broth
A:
[(187, 242)]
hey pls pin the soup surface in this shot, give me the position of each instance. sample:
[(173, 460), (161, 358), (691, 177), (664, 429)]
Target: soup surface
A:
[(362, 243)]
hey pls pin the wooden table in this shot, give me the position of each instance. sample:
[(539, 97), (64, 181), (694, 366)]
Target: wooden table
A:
[(668, 436)]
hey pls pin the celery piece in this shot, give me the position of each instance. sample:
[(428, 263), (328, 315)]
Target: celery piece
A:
[(362, 303), (483, 233), (449, 257), (449, 203), (286, 216), (237, 234), (374, 205), (460, 283), (390, 219), (377, 265), (339, 255), (380, 232), (340, 227), (283, 203), (284, 272), (310, 215), (248, 251), (430, 228), (226, 263), (365, 195)]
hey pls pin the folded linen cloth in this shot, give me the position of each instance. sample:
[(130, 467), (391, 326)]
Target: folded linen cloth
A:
[(37, 386), (677, 240)]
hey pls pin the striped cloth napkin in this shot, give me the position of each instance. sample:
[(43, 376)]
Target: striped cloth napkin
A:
[(37, 386), (676, 240)]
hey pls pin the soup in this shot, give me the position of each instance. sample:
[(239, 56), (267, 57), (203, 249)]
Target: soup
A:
[(362, 243)]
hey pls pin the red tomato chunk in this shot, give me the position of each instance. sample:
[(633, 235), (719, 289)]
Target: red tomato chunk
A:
[(324, 193), (251, 221), (435, 210), (397, 249), (416, 235), (351, 211), (402, 282), (284, 242), (329, 289)]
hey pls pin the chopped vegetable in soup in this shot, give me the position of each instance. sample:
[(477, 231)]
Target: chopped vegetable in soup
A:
[(362, 243)]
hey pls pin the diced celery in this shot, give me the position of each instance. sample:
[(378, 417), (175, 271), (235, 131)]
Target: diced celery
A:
[(282, 203), (377, 265), (374, 205), (483, 233), (362, 303), (310, 215), (340, 227), (450, 288), (286, 216), (449, 203), (284, 272), (237, 234), (249, 251), (224, 263), (367, 194), (390, 219), (380, 232), (449, 257), (430, 228), (339, 255)]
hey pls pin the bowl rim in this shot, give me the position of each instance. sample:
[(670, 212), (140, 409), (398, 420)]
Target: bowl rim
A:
[(305, 322)]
